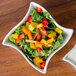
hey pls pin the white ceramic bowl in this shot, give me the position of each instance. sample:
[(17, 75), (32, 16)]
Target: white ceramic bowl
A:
[(67, 33)]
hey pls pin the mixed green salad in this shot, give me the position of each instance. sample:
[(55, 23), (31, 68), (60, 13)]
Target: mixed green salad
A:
[(37, 37)]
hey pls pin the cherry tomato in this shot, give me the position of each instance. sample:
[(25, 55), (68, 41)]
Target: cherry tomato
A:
[(39, 10), (45, 22), (43, 65), (43, 31), (39, 49), (29, 19), (21, 36), (38, 37)]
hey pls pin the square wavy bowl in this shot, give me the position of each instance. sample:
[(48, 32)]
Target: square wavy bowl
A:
[(67, 33)]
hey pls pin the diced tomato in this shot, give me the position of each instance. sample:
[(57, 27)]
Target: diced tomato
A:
[(45, 22), (43, 65), (39, 10), (29, 19), (17, 40), (38, 37), (39, 49), (43, 31), (21, 36)]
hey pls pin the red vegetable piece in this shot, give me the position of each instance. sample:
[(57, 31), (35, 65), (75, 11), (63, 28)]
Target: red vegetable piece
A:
[(39, 49), (38, 37), (17, 40), (43, 31), (43, 65), (29, 19), (39, 10), (21, 36), (45, 22)]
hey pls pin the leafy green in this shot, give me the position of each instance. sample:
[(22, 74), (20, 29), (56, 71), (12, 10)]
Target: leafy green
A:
[(60, 38), (35, 53), (19, 30), (43, 37), (35, 16), (35, 30), (56, 45), (51, 31), (46, 15), (50, 26), (11, 38)]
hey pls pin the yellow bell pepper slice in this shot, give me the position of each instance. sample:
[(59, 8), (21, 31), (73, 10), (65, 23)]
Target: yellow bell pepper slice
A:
[(52, 35), (40, 25), (38, 44), (58, 30), (44, 41), (36, 63), (38, 59), (32, 45), (25, 30), (34, 24), (27, 24), (50, 40), (15, 36)]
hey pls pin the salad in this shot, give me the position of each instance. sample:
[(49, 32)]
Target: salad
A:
[(37, 37)]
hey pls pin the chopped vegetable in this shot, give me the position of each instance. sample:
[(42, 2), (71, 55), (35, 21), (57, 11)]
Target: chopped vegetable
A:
[(34, 24), (39, 25), (45, 22), (31, 41), (44, 41), (17, 40), (15, 36), (25, 30), (38, 44), (58, 30), (27, 24), (21, 36), (43, 65), (43, 31), (50, 40), (39, 60), (29, 19), (39, 49), (36, 63), (39, 9), (30, 27), (30, 36), (32, 45), (52, 35), (38, 37)]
